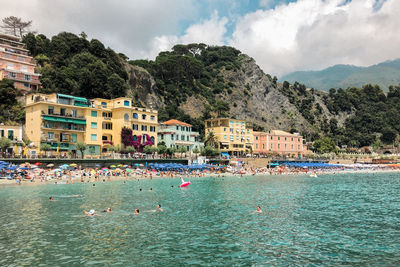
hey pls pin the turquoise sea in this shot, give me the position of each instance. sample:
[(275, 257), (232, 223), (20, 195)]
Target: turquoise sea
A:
[(346, 219)]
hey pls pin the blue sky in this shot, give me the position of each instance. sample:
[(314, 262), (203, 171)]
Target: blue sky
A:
[(281, 35)]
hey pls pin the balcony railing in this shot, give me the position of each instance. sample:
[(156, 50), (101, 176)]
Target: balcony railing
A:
[(67, 115), (47, 127)]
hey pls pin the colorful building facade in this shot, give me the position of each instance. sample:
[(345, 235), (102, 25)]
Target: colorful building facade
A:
[(15, 134), (177, 134), (16, 64), (234, 137), (63, 120), (279, 142)]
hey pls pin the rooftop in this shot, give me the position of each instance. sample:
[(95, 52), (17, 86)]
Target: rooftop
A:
[(176, 122)]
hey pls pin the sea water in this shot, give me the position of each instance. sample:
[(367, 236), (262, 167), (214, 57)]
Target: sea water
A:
[(342, 219)]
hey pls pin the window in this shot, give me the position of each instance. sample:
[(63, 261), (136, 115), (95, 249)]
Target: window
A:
[(285, 138), (62, 111), (74, 113), (152, 139), (11, 134), (126, 117), (94, 125), (182, 137), (126, 103), (135, 127), (135, 115), (107, 126), (152, 117), (93, 137), (26, 85), (104, 104), (279, 138), (74, 138), (143, 116), (12, 75), (144, 127), (237, 137), (224, 136), (272, 138), (134, 138), (292, 139), (298, 147), (292, 146), (162, 137), (279, 146), (256, 145), (152, 128), (256, 137), (263, 146), (177, 137), (50, 135), (94, 113), (27, 77), (172, 137), (177, 127), (23, 68), (10, 66), (285, 146), (1, 133), (187, 138), (50, 110)]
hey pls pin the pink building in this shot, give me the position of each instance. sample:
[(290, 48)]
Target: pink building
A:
[(280, 142), (16, 64)]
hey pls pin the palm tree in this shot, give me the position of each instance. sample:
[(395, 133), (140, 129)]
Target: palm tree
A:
[(81, 147), (211, 140)]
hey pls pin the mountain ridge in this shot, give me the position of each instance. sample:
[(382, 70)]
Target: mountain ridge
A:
[(344, 76)]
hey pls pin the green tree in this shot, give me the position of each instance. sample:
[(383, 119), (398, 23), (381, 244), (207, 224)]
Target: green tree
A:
[(45, 147), (182, 150), (5, 143), (388, 135), (81, 147), (324, 145), (209, 151), (211, 140)]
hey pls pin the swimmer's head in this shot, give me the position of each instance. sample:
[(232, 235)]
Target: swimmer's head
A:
[(91, 212)]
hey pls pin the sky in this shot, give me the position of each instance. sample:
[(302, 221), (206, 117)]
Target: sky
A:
[(281, 35)]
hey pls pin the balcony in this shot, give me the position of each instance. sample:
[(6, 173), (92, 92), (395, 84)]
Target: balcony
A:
[(107, 142), (61, 128), (66, 115)]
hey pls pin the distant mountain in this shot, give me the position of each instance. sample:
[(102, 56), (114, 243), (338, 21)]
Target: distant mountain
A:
[(343, 76)]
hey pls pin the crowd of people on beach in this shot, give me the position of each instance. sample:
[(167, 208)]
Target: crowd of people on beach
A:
[(70, 173)]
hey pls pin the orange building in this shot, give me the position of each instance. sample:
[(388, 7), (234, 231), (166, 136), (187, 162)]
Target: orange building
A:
[(16, 64), (280, 142)]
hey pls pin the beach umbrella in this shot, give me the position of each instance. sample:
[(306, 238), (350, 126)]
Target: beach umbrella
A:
[(119, 165), (112, 166), (128, 170), (37, 163), (73, 164), (50, 165), (34, 166)]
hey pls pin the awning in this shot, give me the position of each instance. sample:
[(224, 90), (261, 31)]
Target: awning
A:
[(76, 121), (225, 154), (80, 99)]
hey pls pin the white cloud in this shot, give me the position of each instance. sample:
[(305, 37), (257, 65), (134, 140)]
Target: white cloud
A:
[(210, 32), (126, 26), (266, 3), (312, 34)]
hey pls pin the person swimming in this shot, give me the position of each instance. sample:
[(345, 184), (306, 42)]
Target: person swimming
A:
[(94, 185), (159, 208), (90, 213), (140, 190), (259, 209), (107, 210), (136, 212), (51, 199), (151, 190)]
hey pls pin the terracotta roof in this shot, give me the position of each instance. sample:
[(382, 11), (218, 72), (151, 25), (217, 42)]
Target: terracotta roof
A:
[(176, 122)]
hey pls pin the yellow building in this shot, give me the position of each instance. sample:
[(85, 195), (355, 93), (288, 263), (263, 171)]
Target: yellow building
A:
[(15, 134), (234, 137), (63, 120)]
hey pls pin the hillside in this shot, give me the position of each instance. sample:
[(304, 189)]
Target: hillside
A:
[(343, 76), (195, 82)]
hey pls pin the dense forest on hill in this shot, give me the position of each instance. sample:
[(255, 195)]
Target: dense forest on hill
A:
[(72, 64), (194, 82)]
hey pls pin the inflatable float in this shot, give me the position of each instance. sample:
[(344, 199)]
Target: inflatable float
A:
[(183, 183)]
